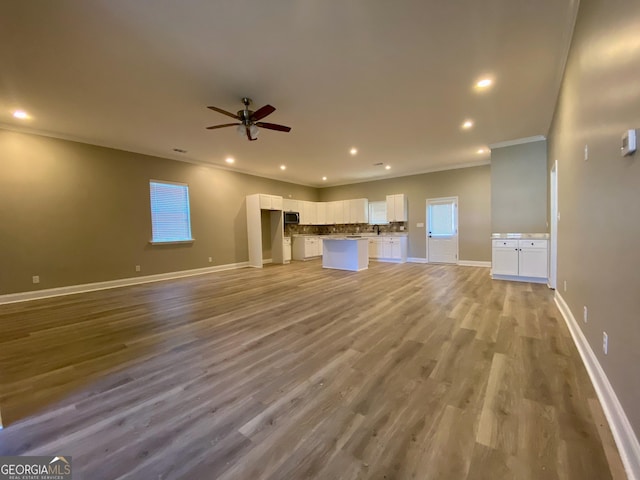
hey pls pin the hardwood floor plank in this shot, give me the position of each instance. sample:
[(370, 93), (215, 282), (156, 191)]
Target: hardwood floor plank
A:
[(293, 371)]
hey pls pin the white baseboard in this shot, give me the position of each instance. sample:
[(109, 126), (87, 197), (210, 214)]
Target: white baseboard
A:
[(123, 282), (464, 263), (474, 263), (623, 434), (416, 260), (266, 261)]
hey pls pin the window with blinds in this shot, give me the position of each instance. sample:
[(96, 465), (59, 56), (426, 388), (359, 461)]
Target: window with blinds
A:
[(170, 215), (378, 213)]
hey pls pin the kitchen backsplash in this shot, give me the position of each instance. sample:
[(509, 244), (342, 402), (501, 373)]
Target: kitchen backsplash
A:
[(352, 228)]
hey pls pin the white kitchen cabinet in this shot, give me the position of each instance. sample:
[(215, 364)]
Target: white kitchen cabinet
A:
[(359, 210), (338, 212), (388, 249), (307, 247), (375, 247), (310, 213), (505, 257), (290, 205), (270, 202), (286, 246), (330, 215), (397, 207), (321, 213), (255, 206), (346, 211), (520, 259), (533, 258)]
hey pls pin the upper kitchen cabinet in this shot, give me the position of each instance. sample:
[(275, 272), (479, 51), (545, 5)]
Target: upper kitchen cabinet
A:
[(290, 205), (359, 210), (397, 208), (308, 213), (270, 202), (321, 213)]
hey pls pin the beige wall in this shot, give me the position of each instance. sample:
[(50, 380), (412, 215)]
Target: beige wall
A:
[(599, 199), (519, 188), (74, 213), (471, 185)]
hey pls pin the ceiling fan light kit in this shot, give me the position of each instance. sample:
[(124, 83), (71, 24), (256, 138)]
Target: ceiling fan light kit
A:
[(249, 121)]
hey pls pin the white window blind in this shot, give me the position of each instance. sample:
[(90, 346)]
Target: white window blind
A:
[(378, 213), (441, 219), (170, 215)]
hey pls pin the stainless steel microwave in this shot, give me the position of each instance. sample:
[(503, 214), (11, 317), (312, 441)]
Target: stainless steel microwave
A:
[(291, 218)]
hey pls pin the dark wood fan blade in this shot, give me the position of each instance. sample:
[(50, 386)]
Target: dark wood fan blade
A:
[(224, 112), (262, 112), (223, 125), (273, 126), (249, 134)]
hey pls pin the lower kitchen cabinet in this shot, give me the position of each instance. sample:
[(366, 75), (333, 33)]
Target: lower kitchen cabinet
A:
[(305, 248), (388, 249), (522, 260), (286, 246)]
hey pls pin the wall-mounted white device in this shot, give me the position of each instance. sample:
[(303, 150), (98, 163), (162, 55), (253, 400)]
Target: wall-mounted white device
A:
[(628, 142)]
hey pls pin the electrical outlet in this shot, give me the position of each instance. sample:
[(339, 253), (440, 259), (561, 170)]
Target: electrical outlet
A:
[(605, 343), (586, 313), (565, 285), (35, 279), (210, 259), (137, 268)]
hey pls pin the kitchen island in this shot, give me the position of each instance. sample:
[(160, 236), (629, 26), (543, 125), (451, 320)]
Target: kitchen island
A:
[(346, 253)]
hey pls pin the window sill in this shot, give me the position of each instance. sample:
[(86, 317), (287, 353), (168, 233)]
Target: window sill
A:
[(172, 242)]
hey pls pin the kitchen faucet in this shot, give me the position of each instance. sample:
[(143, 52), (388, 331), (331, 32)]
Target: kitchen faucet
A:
[(377, 227)]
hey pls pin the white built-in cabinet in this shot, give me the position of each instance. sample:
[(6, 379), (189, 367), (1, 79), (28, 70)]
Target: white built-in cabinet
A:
[(255, 205), (290, 205), (338, 212), (397, 208), (270, 202), (306, 247), (520, 259), (358, 210), (388, 249), (286, 246)]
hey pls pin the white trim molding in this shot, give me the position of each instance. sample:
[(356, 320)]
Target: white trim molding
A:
[(623, 434), (416, 260), (517, 141), (474, 263), (123, 282)]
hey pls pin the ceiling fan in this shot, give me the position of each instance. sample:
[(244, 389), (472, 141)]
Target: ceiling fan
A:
[(250, 120)]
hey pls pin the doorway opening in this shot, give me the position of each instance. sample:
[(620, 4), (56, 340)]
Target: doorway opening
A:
[(553, 224), (442, 230)]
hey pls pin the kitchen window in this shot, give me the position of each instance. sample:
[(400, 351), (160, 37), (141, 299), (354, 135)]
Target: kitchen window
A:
[(170, 213)]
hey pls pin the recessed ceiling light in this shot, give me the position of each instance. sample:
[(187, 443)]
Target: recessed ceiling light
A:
[(482, 150), (324, 179), (283, 167), (484, 83), (467, 124), (229, 160), (388, 167), (22, 115), (353, 151)]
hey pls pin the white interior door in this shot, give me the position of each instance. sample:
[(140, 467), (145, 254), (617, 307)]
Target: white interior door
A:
[(442, 230)]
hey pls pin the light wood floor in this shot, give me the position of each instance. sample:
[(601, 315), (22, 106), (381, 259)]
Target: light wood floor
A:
[(295, 372)]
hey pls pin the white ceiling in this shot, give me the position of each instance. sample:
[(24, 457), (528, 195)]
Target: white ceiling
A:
[(394, 79)]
